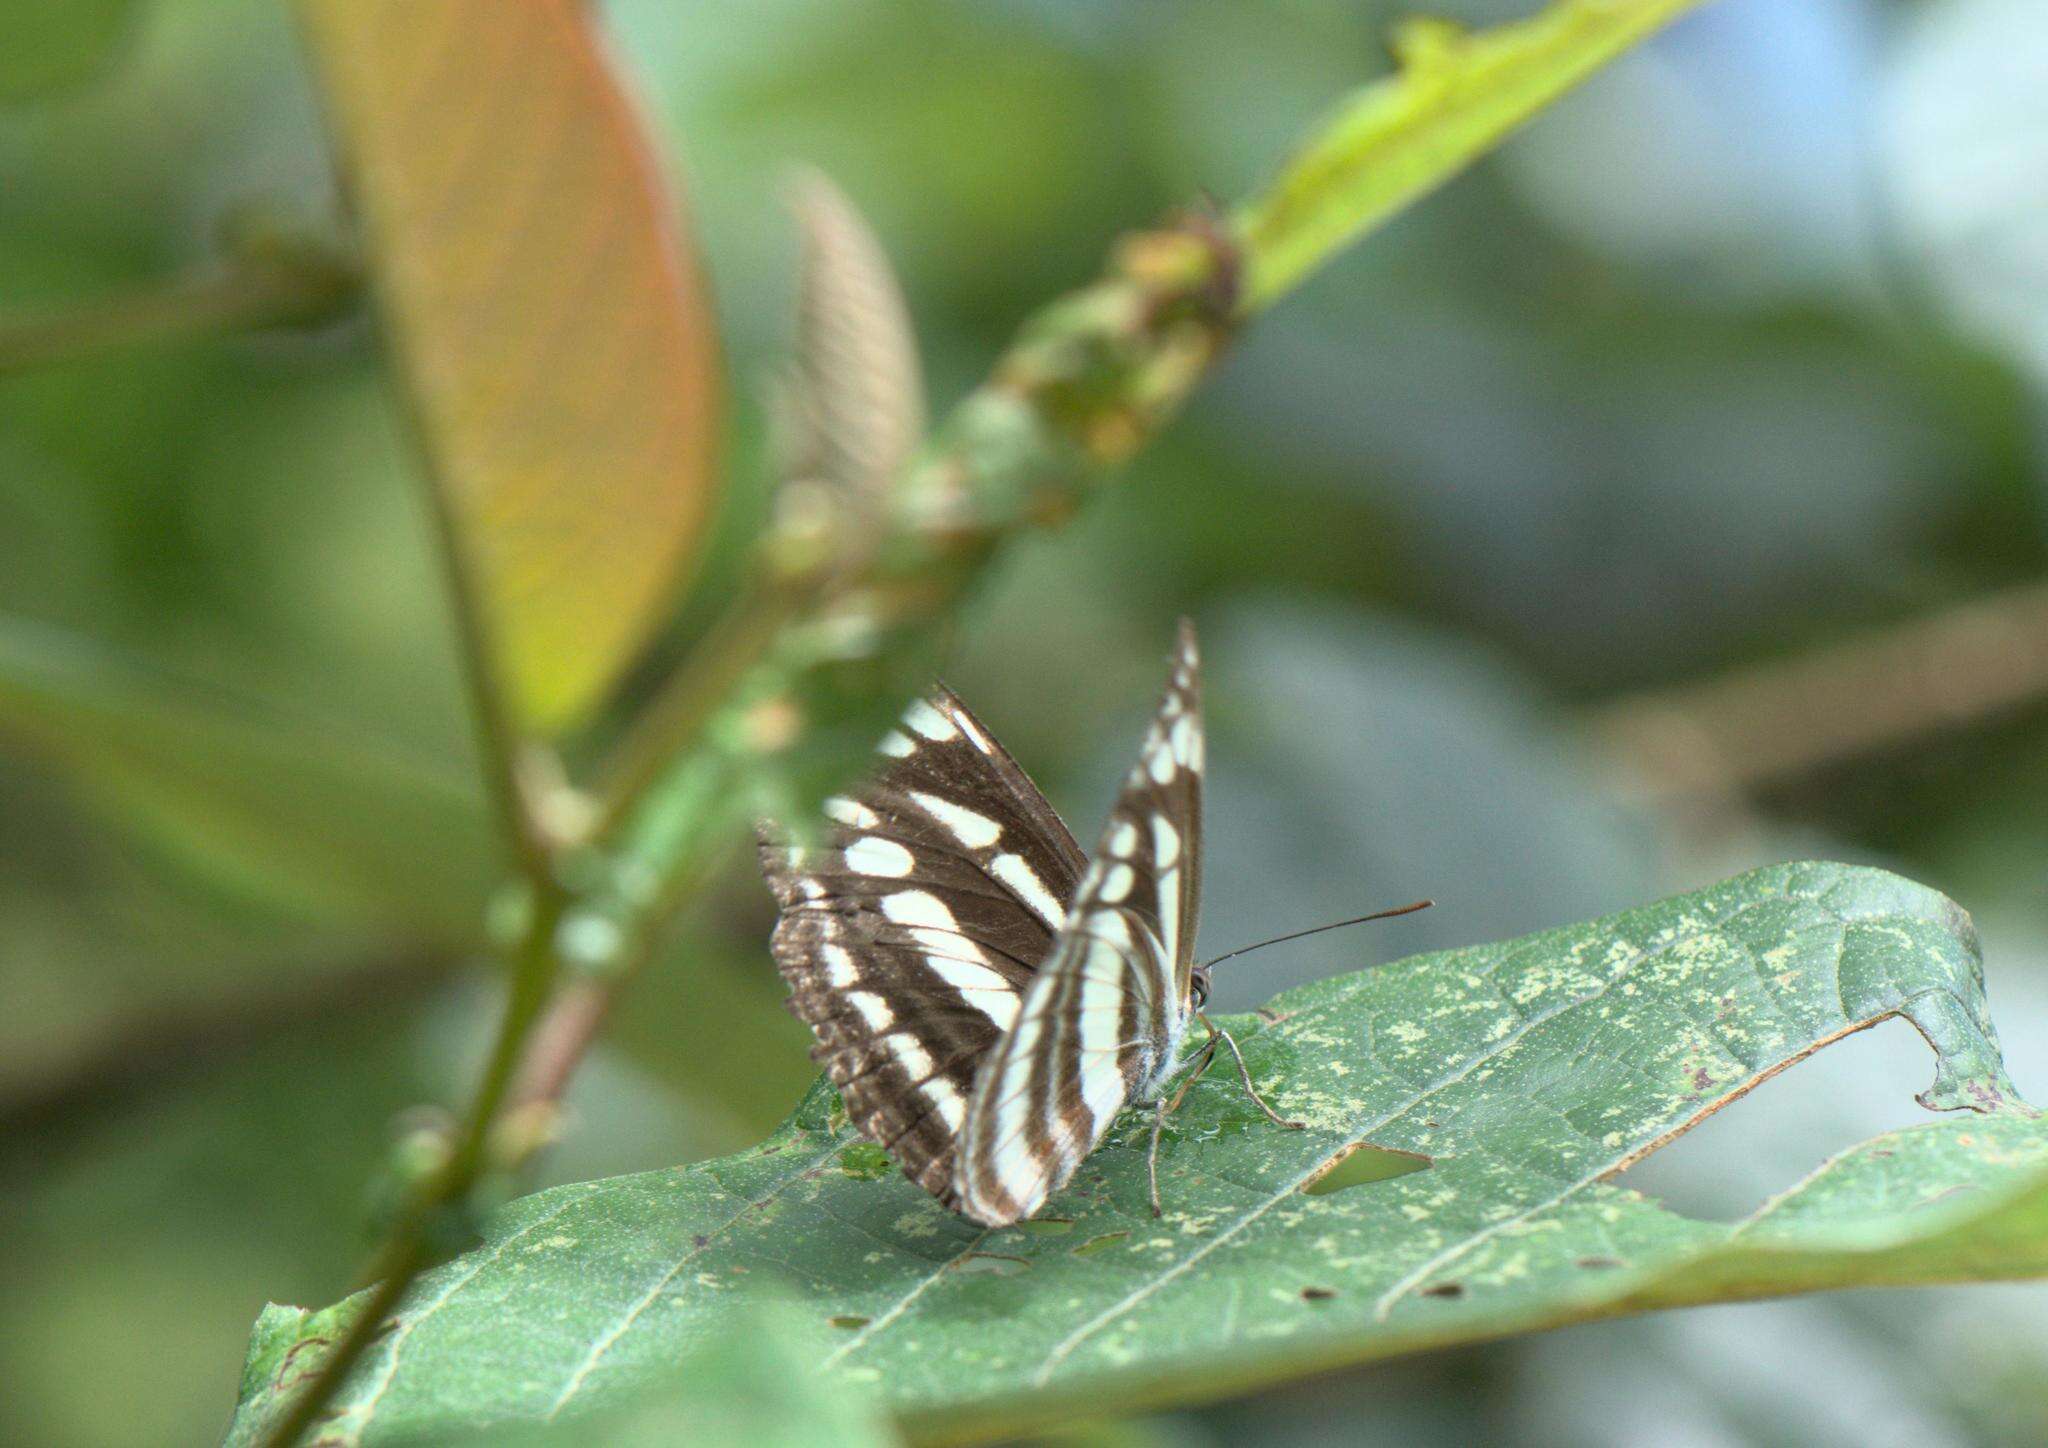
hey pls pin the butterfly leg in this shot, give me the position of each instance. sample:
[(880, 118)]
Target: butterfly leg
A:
[(1195, 1072), (1167, 1106), (1217, 1032), (1159, 1110)]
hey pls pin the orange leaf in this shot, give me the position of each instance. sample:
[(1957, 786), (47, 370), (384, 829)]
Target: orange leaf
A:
[(552, 327)]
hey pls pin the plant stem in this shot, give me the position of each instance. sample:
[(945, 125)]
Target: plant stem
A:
[(405, 1253), (505, 759), (576, 1014), (1783, 718), (399, 1262), (502, 752), (238, 299), (673, 721)]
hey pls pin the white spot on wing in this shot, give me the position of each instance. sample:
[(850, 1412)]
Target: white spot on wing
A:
[(871, 856), (1165, 842), (948, 942), (1015, 1169), (946, 1100), (873, 1009), (1020, 877), (1102, 995), (1187, 744), (1111, 926), (924, 719), (1027, 1041), (911, 1055), (1123, 839), (851, 812), (896, 744), (840, 971), (1169, 914), (1116, 885), (982, 988), (1160, 763), (919, 907), (975, 831)]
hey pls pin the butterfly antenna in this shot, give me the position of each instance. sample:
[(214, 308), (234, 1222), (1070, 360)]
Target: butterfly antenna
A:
[(1318, 930)]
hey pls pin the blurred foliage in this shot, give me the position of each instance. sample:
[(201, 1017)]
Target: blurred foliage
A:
[(58, 45), (1724, 361)]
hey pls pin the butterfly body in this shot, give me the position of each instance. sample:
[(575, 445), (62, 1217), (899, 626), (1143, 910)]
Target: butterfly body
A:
[(985, 997)]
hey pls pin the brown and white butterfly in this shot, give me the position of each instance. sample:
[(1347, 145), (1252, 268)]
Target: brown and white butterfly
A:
[(985, 998)]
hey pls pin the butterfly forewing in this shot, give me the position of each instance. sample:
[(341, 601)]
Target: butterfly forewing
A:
[(1101, 1022), (909, 933)]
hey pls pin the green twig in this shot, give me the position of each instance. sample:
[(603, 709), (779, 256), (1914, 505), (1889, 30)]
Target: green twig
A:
[(509, 763), (240, 298), (674, 720), (407, 1248)]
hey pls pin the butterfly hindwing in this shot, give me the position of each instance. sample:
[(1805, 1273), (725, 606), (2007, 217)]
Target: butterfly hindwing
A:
[(1100, 1023), (909, 934)]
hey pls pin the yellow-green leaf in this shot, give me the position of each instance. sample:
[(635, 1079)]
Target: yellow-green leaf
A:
[(547, 315), (1453, 98)]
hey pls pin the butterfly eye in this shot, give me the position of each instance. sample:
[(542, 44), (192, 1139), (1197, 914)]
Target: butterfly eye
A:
[(1198, 984)]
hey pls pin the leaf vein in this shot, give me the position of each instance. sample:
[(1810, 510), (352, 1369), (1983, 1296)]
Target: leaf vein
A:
[(1066, 1346), (610, 1337)]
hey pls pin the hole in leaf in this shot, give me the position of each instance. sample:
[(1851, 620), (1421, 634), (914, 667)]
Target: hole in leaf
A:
[(994, 1263), (1746, 1151), (1047, 1226), (1444, 1289), (1363, 1165), (1101, 1243), (1601, 1262), (1317, 1294), (851, 1323)]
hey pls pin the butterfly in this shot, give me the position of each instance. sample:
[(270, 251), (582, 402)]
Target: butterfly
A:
[(985, 997)]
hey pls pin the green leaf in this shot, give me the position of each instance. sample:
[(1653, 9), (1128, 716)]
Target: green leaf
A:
[(755, 1384), (1527, 1073), (1454, 98), (54, 46), (273, 803), (554, 332)]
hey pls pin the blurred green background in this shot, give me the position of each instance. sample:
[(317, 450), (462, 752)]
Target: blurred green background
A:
[(1735, 358)]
